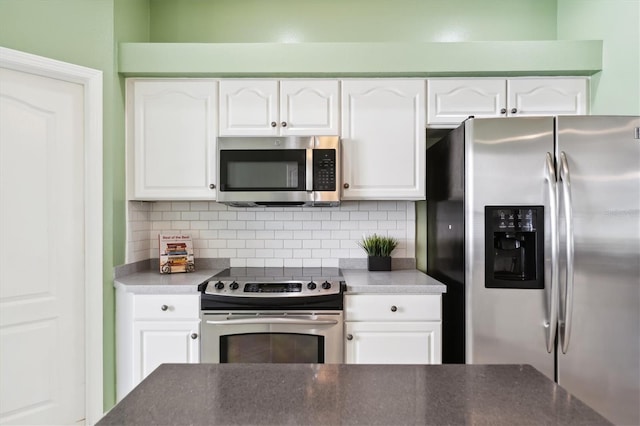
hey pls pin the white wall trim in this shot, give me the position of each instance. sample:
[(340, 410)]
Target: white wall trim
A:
[(91, 80)]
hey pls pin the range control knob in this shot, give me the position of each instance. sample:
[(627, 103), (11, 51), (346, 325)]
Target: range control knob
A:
[(326, 285), (311, 286), (219, 285), (234, 285)]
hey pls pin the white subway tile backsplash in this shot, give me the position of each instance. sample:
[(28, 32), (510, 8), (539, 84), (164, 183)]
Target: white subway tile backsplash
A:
[(270, 236), (292, 244), (292, 263)]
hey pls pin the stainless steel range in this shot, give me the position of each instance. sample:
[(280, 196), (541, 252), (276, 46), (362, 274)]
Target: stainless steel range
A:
[(273, 315)]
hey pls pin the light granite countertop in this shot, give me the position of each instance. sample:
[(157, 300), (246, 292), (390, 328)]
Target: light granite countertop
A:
[(359, 281), (349, 394)]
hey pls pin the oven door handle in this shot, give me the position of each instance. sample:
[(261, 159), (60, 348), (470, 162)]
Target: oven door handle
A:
[(276, 320)]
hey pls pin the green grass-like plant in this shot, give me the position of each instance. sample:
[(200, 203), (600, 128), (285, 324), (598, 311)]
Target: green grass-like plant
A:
[(377, 245)]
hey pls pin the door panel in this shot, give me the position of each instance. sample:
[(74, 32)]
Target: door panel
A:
[(504, 166), (42, 250), (601, 364)]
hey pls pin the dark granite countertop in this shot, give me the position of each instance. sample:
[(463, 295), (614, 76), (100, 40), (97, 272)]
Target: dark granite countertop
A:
[(342, 394)]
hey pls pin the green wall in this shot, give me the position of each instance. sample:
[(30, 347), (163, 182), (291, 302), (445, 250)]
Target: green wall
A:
[(615, 90), (351, 20)]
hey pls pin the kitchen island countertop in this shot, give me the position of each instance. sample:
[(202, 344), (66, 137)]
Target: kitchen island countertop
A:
[(358, 281), (348, 394)]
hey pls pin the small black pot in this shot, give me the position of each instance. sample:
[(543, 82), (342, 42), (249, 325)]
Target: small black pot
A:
[(379, 263)]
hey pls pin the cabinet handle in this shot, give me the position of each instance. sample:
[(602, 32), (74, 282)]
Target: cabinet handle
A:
[(274, 124), (514, 110), (345, 186), (164, 307), (349, 336), (503, 110), (394, 308), (283, 124), (212, 186), (194, 336)]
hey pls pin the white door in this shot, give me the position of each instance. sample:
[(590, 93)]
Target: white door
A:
[(42, 250)]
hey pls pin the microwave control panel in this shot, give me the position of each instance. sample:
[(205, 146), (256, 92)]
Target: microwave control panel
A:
[(324, 169)]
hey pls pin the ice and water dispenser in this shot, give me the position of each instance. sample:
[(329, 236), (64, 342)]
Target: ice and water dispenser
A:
[(514, 247)]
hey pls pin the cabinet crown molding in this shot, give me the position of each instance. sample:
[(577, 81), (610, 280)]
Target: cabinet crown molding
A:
[(482, 58)]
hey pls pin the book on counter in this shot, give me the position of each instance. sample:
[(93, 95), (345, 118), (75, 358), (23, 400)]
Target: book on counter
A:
[(176, 254)]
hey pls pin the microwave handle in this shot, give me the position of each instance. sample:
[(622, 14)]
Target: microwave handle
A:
[(309, 171)]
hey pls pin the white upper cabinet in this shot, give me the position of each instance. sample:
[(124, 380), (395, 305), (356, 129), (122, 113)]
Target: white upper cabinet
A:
[(383, 139), (171, 137), (451, 101), (279, 108), (550, 96)]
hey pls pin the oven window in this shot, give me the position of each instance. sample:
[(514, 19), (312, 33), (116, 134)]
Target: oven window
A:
[(252, 170), (272, 348)]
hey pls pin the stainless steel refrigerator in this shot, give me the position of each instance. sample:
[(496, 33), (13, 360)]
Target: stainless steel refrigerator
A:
[(534, 226)]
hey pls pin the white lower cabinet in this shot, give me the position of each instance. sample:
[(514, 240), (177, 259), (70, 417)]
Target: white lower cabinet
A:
[(393, 329), (152, 330)]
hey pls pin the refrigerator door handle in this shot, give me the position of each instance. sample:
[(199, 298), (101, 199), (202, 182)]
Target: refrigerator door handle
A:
[(552, 322), (565, 323)]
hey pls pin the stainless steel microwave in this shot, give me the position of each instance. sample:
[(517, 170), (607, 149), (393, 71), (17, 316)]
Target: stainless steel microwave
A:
[(279, 171)]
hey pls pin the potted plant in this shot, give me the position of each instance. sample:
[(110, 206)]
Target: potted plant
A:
[(378, 250)]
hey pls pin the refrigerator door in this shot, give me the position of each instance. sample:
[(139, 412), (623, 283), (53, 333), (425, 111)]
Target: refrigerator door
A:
[(505, 164), (601, 365)]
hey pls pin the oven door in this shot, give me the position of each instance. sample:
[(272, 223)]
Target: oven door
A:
[(272, 337)]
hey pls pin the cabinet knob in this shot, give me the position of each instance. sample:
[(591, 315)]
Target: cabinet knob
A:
[(283, 124), (349, 336), (514, 110), (503, 110), (212, 186), (345, 186), (394, 308), (194, 336), (274, 124), (164, 307)]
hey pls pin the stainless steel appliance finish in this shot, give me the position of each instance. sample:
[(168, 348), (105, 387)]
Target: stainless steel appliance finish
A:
[(584, 171), (279, 171), (321, 329), (273, 315)]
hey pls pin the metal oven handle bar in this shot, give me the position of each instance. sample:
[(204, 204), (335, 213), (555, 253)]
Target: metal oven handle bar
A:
[(273, 320)]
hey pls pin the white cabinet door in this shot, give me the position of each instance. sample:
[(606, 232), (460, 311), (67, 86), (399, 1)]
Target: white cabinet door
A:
[(393, 343), (279, 108), (171, 139), (547, 96), (152, 329), (451, 101), (249, 108), (158, 342), (383, 139), (309, 107)]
